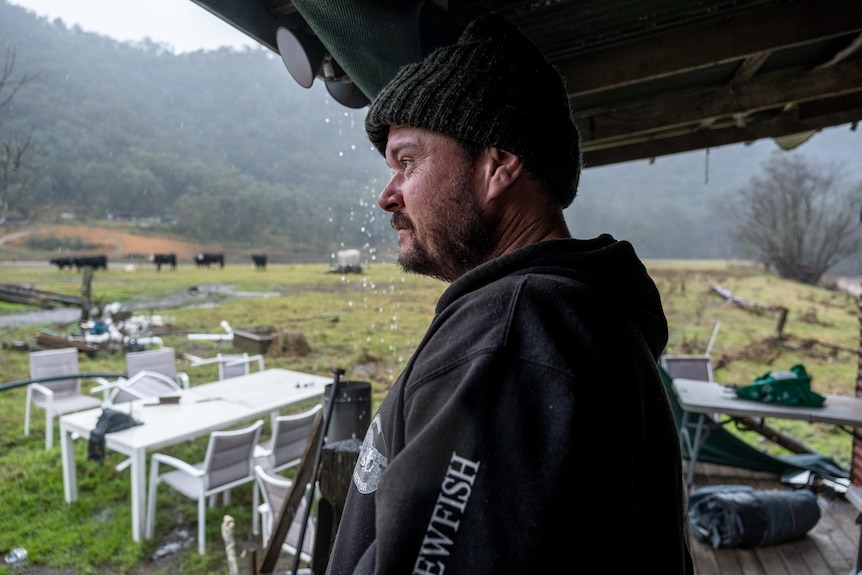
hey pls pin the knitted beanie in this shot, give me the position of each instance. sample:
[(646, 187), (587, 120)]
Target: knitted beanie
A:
[(492, 88)]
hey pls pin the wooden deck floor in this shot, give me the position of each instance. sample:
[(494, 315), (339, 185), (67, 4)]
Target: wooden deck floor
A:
[(830, 548)]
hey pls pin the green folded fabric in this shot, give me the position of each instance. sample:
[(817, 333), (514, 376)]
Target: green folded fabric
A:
[(791, 387)]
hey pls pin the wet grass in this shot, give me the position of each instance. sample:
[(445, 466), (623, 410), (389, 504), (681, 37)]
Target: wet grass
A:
[(367, 324)]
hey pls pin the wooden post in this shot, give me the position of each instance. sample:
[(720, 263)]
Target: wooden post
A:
[(86, 290), (336, 472), (782, 319)]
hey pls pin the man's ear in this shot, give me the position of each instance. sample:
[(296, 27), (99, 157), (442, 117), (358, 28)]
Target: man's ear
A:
[(505, 169)]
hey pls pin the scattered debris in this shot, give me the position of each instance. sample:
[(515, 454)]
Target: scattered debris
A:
[(227, 336), (29, 296), (48, 341), (738, 301)]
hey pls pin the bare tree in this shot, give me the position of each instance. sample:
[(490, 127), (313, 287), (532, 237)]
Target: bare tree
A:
[(17, 174), (799, 219)]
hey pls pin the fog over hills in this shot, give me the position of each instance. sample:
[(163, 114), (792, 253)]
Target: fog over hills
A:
[(674, 205), (200, 137)]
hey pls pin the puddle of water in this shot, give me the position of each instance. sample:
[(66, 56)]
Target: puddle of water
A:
[(180, 539), (194, 297)]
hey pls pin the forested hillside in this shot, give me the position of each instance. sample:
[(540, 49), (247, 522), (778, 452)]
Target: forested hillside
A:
[(224, 143), (225, 147)]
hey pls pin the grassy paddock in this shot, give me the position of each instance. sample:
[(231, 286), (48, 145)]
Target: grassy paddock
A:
[(367, 324)]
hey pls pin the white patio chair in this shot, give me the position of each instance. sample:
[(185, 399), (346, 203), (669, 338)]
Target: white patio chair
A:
[(59, 396), (229, 463), (697, 367), (162, 360), (285, 448), (286, 445), (274, 489), (231, 364), (145, 384)]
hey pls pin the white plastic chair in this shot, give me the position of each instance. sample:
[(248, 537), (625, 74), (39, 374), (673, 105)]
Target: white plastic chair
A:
[(234, 365), (59, 396), (274, 489), (231, 364), (229, 463), (162, 360), (697, 367), (290, 433), (285, 448), (145, 384)]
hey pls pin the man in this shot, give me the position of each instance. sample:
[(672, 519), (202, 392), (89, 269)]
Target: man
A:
[(530, 431)]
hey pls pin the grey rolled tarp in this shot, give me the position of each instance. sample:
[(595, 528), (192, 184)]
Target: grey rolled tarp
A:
[(741, 516)]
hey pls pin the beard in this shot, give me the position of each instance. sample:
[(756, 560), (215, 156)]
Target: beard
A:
[(457, 240)]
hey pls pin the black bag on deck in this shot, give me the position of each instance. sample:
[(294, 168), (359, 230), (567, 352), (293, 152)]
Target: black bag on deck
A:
[(740, 516)]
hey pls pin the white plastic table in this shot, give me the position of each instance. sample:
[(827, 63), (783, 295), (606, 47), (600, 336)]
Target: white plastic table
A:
[(201, 410), (699, 399)]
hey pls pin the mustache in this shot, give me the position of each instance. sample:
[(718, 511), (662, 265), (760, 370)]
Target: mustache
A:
[(400, 220)]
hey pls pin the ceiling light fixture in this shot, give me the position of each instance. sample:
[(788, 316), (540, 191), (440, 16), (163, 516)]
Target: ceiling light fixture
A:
[(301, 53), (305, 57)]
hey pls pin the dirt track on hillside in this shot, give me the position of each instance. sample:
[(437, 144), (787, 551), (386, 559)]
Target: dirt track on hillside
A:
[(114, 243)]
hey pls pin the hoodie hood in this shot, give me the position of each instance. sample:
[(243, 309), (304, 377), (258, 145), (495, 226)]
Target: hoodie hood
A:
[(607, 267)]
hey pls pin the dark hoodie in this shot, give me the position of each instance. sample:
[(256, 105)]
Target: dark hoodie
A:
[(529, 432)]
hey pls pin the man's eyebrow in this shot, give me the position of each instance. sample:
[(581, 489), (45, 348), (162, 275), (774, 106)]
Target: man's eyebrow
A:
[(399, 147)]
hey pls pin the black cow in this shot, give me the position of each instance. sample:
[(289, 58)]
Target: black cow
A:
[(164, 259), (204, 260), (259, 261), (94, 262), (62, 263)]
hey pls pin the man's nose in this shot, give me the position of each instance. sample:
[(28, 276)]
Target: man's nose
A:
[(390, 198)]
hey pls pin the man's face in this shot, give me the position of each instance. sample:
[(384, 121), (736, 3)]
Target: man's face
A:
[(436, 200)]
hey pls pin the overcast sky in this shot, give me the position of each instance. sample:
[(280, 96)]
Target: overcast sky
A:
[(181, 24)]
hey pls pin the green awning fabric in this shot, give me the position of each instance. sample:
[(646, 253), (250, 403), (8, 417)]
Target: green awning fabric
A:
[(372, 40)]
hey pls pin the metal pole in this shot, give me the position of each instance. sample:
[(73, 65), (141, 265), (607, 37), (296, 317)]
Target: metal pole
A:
[(337, 373), (856, 458)]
